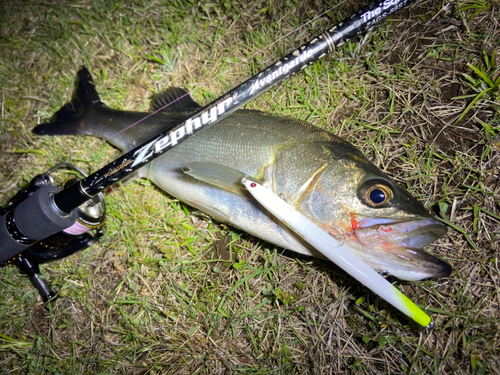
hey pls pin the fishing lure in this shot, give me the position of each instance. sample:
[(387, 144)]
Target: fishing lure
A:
[(337, 252)]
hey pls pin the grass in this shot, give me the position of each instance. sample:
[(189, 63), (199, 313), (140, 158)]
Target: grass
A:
[(170, 291)]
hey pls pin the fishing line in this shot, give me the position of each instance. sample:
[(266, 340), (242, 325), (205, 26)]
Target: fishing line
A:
[(48, 210), (190, 93), (307, 54)]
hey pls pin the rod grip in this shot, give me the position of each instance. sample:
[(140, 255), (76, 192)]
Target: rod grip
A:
[(37, 217), (32, 220)]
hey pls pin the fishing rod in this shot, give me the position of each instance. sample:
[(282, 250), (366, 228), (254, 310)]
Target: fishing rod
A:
[(42, 210)]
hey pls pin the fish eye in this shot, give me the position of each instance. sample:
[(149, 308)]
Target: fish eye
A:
[(377, 195)]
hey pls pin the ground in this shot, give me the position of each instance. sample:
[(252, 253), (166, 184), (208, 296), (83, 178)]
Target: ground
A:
[(168, 290)]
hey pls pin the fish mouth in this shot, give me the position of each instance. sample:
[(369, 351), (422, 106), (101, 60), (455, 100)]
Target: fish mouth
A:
[(394, 247)]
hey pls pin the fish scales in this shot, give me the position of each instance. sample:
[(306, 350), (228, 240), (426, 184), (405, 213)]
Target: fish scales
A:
[(324, 177)]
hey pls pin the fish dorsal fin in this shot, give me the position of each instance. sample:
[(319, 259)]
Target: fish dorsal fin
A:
[(176, 99), (217, 174)]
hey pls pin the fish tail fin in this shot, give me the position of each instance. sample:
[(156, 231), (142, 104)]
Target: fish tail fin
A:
[(68, 119)]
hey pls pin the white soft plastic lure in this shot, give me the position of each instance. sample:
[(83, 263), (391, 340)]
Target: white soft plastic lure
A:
[(336, 252)]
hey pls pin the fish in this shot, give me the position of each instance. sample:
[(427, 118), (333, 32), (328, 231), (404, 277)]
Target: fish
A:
[(321, 175)]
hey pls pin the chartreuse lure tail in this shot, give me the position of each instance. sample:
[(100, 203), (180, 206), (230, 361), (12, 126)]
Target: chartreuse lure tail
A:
[(338, 253)]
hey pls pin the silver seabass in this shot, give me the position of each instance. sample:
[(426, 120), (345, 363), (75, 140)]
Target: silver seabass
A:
[(321, 175)]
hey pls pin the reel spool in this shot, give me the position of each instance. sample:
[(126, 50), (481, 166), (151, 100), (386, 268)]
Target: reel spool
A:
[(83, 234)]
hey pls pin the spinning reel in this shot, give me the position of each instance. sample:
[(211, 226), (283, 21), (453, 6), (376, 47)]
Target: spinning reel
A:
[(82, 234)]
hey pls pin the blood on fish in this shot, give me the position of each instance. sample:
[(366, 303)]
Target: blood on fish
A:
[(354, 222), (386, 229)]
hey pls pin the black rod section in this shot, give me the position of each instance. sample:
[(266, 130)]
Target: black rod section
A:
[(77, 194)]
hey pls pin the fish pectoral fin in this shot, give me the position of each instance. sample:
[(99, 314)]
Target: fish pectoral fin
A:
[(216, 174)]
